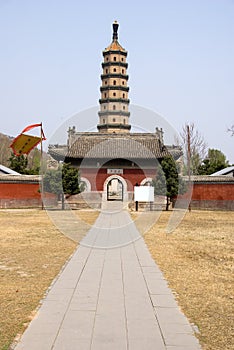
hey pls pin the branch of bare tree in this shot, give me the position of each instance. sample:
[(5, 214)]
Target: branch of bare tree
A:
[(231, 130)]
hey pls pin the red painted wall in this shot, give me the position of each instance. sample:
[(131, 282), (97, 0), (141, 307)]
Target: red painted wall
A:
[(132, 176), (205, 195), (22, 194), (213, 191), (212, 196), (19, 190)]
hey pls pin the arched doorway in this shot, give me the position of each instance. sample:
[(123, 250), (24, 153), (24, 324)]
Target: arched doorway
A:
[(124, 188), (147, 181), (85, 184), (115, 190)]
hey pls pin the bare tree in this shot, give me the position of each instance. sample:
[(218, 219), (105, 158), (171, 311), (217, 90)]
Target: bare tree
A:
[(231, 130), (5, 150), (197, 147)]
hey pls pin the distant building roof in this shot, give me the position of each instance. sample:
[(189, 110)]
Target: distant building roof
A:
[(226, 171), (7, 171)]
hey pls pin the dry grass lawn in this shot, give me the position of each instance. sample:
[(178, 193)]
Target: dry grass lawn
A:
[(197, 260), (32, 252)]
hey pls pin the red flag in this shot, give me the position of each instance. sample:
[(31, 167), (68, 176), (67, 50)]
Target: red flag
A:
[(23, 143)]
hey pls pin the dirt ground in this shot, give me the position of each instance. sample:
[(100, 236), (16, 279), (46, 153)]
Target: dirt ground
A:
[(32, 252), (197, 260)]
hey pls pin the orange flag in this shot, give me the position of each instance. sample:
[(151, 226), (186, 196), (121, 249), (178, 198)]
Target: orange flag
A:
[(23, 143)]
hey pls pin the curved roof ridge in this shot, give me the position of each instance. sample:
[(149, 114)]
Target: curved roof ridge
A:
[(115, 46)]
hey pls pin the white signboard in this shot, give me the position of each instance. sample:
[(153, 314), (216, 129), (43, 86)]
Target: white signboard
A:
[(114, 171), (143, 193)]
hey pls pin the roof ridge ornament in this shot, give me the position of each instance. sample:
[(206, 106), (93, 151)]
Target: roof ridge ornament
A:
[(115, 30)]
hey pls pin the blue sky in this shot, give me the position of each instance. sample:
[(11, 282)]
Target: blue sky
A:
[(180, 55)]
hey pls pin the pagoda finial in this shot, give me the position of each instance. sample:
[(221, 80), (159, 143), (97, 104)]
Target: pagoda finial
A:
[(115, 30)]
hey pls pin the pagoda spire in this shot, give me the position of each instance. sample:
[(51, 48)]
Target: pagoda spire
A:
[(115, 26), (114, 102)]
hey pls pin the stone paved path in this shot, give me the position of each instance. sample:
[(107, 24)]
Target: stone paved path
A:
[(110, 298)]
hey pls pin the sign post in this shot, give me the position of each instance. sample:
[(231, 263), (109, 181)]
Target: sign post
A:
[(143, 194)]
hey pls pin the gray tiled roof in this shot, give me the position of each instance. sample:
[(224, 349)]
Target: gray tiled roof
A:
[(20, 178), (58, 151), (210, 179), (117, 147), (128, 146)]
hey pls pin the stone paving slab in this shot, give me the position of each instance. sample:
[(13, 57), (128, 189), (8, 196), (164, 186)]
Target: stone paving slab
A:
[(107, 299)]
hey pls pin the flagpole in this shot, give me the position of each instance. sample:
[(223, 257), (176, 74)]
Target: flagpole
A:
[(42, 206), (189, 162)]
